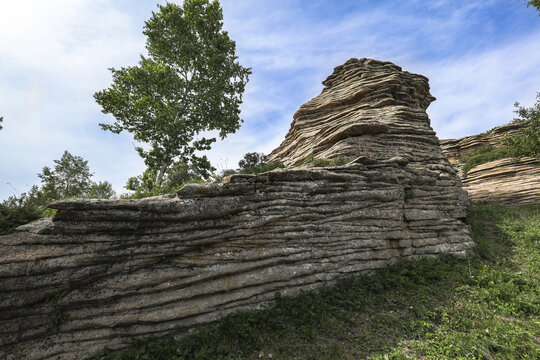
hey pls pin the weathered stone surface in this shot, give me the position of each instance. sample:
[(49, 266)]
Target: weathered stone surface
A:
[(104, 271), (501, 182), (455, 149), (367, 108), (504, 182)]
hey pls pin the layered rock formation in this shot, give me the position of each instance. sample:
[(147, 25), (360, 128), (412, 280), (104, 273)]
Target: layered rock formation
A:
[(500, 182), (455, 149), (104, 271), (504, 182), (367, 108)]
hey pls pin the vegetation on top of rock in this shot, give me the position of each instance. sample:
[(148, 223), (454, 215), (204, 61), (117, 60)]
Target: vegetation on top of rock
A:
[(254, 163), (251, 160), (262, 168), (483, 154), (190, 82), (526, 143), (318, 162), (176, 176), (251, 163), (69, 178), (484, 307)]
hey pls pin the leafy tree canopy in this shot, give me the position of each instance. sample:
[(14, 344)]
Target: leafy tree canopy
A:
[(190, 82), (251, 160), (70, 178), (528, 142), (1, 119), (535, 3)]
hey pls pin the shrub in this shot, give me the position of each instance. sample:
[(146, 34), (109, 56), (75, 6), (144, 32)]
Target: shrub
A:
[(484, 154), (16, 211), (252, 160), (318, 162), (528, 142), (263, 168)]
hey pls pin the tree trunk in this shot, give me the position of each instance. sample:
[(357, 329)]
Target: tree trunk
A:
[(161, 172)]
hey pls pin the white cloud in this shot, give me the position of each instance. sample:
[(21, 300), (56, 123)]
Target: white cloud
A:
[(54, 55), (476, 92)]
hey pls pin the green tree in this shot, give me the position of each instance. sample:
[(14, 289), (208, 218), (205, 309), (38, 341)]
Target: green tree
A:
[(528, 142), (70, 178), (101, 190), (535, 3), (251, 160), (176, 175), (190, 82), (1, 119), (16, 211)]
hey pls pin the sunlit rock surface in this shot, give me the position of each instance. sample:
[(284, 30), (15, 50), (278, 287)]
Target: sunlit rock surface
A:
[(500, 182), (104, 271)]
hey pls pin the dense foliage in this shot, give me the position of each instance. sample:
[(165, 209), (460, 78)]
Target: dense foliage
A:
[(17, 211), (535, 3), (175, 177), (69, 178), (252, 159), (484, 306), (527, 143), (190, 82)]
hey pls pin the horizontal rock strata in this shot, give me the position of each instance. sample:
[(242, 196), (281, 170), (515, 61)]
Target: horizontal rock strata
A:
[(504, 182), (500, 182), (102, 272), (367, 108), (455, 149)]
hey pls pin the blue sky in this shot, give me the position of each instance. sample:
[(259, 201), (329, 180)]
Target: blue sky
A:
[(480, 56)]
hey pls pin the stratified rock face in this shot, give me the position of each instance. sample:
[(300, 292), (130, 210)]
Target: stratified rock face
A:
[(105, 271), (367, 108), (505, 182), (455, 149), (501, 182)]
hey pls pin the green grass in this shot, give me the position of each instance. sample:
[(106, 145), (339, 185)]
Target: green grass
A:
[(484, 306), (484, 154), (318, 162), (263, 168)]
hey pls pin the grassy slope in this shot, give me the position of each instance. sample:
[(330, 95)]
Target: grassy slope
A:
[(486, 306)]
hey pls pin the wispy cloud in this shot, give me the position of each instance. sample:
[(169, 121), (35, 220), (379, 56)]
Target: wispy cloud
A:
[(480, 56), (476, 92)]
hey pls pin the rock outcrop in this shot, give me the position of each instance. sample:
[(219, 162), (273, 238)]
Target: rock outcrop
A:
[(455, 149), (367, 108), (504, 182), (104, 271), (500, 182)]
